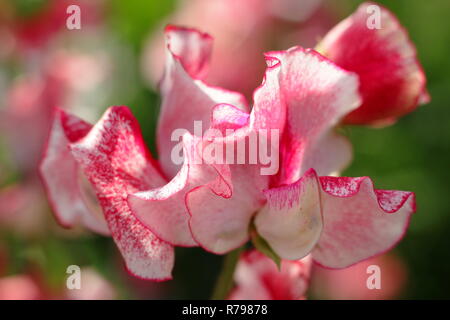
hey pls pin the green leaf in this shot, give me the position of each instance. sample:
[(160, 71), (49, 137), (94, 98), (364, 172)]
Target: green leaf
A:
[(261, 245)]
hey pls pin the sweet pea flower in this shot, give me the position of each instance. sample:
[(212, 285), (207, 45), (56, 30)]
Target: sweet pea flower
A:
[(258, 278), (36, 29), (392, 82), (150, 207)]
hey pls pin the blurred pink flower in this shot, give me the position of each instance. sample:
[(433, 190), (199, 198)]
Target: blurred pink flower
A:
[(22, 207), (30, 287), (93, 287), (258, 278), (27, 117), (31, 99), (351, 283), (151, 206), (19, 287), (33, 286), (33, 31)]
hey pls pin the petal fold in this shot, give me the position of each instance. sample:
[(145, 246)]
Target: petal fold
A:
[(317, 94), (62, 176), (163, 209), (220, 224)]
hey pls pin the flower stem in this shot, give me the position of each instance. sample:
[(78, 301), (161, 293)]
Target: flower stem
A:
[(225, 280)]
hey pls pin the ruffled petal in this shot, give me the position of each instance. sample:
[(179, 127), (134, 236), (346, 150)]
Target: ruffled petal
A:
[(359, 221), (392, 81), (185, 100), (291, 221), (117, 163), (258, 278), (61, 175), (163, 210), (317, 95), (221, 224)]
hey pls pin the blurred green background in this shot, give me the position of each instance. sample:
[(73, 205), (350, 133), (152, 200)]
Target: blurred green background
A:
[(410, 155)]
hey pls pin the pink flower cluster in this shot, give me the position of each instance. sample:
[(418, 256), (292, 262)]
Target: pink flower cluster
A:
[(304, 211)]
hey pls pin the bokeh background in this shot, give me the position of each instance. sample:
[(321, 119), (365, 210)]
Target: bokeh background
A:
[(105, 63)]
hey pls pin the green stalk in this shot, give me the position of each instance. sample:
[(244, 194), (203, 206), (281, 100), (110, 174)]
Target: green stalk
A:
[(225, 282)]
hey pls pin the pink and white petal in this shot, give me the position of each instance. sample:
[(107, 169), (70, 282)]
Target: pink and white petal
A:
[(330, 155), (61, 175), (392, 81), (317, 94), (360, 221), (221, 224), (291, 221), (163, 209), (226, 116), (117, 163), (183, 95), (269, 110), (258, 278), (193, 49)]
